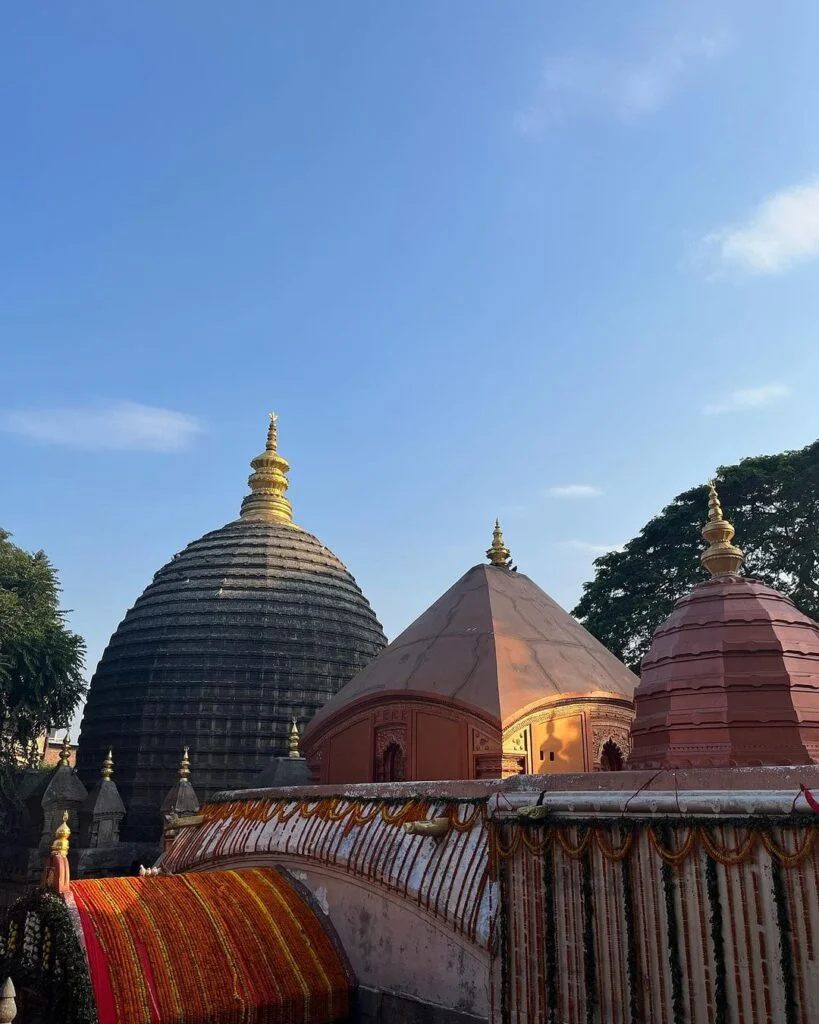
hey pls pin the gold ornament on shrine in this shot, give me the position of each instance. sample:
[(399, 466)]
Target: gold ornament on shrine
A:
[(498, 553), (65, 752), (721, 557), (294, 741), (268, 483)]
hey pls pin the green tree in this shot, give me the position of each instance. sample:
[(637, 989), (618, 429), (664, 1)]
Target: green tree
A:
[(773, 502), (40, 659)]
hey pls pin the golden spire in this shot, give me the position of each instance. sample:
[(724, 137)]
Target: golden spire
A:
[(65, 752), (294, 740), (721, 557), (268, 483), (498, 553), (61, 836), (108, 766), (185, 767)]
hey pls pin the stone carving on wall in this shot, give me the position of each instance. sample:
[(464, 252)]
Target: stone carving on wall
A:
[(498, 766), (515, 744), (390, 754), (390, 714), (481, 743), (616, 734)]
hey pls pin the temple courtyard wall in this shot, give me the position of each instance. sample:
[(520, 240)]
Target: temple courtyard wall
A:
[(618, 897)]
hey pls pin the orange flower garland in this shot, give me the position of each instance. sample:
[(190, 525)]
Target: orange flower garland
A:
[(506, 838), (220, 947)]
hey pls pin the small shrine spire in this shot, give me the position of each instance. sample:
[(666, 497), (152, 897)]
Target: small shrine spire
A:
[(268, 483), (721, 557), (498, 553), (181, 800), (185, 766), (61, 837), (108, 766), (294, 741), (56, 874), (65, 752)]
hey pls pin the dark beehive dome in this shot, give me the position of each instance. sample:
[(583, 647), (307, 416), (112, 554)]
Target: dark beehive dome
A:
[(249, 627)]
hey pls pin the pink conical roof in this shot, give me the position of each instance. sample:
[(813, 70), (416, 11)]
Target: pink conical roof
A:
[(732, 678), (494, 641)]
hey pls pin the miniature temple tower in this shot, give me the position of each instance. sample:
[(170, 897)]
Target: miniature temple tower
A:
[(56, 875), (63, 792), (103, 811), (181, 799)]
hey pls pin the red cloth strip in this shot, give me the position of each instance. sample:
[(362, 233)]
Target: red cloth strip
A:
[(98, 966), (813, 803)]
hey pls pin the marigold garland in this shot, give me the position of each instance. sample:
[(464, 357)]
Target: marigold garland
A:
[(53, 964), (698, 836), (222, 945), (788, 840), (393, 810)]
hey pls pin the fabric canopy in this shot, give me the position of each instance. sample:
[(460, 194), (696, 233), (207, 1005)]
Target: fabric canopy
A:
[(218, 947)]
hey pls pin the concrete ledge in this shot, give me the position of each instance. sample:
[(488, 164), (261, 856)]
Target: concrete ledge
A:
[(784, 778), (371, 1006)]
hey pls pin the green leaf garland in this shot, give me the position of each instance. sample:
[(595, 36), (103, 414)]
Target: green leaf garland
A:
[(717, 942), (673, 933), (783, 919), (631, 943), (590, 957), (550, 933)]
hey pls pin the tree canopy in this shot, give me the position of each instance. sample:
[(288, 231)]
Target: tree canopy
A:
[(772, 501), (40, 659)]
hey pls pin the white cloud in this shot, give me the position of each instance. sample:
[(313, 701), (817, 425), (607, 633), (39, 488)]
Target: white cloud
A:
[(589, 83), (781, 232), (749, 398), (110, 426), (589, 548), (574, 491)]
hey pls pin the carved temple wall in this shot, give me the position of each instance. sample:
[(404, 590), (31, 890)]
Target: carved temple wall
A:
[(407, 736)]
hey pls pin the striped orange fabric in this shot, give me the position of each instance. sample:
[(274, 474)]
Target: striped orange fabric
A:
[(222, 947)]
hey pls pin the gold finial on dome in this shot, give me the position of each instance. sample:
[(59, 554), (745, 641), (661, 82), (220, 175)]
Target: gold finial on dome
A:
[(65, 752), (268, 483), (721, 557), (498, 553), (108, 766), (185, 766), (294, 740), (61, 837)]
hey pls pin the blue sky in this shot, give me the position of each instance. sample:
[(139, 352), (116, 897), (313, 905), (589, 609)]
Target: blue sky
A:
[(550, 261)]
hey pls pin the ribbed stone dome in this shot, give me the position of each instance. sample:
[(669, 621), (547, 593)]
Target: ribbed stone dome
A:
[(731, 680), (249, 627), (732, 676)]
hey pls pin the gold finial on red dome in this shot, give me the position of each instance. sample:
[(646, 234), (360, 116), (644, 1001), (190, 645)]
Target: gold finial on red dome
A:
[(721, 557), (498, 553)]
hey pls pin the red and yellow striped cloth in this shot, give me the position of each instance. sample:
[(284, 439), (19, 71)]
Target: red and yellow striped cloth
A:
[(219, 947)]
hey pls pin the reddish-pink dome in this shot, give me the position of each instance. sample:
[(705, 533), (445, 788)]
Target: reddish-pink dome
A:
[(732, 678)]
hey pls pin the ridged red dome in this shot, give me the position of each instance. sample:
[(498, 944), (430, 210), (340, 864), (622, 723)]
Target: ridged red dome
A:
[(732, 679)]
